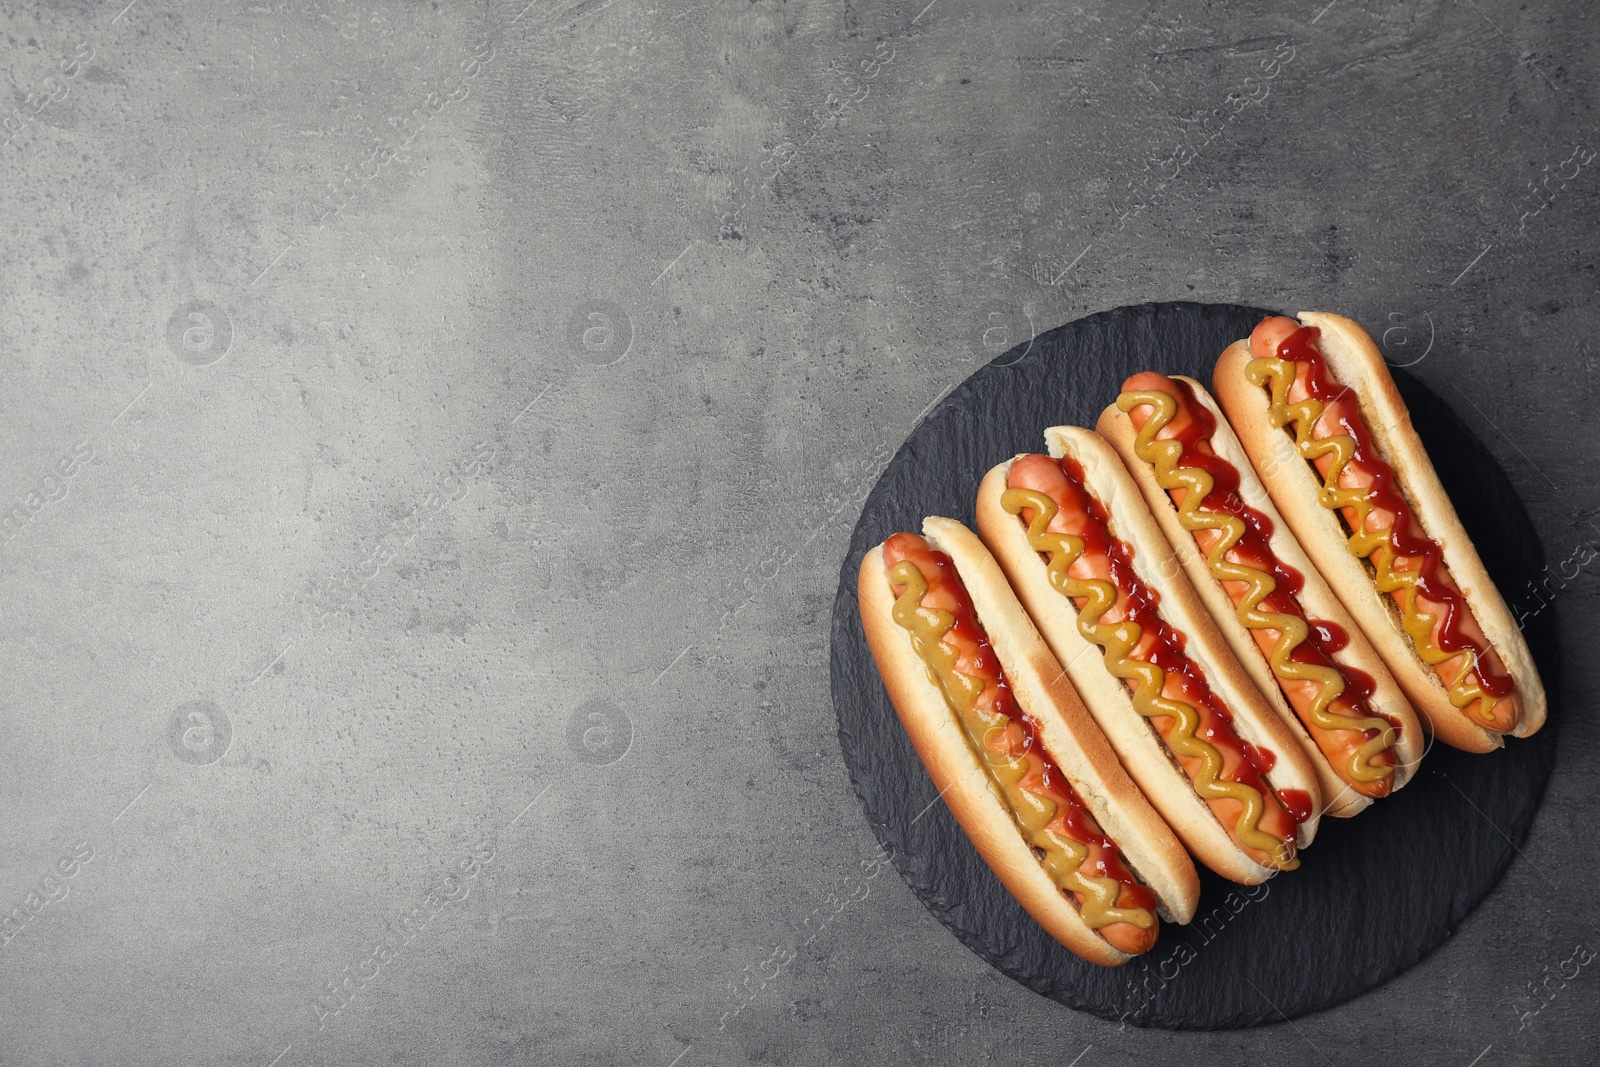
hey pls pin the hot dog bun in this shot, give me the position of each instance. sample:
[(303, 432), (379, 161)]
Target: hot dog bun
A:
[(1069, 736), (1355, 362), (1315, 600), (1143, 751)]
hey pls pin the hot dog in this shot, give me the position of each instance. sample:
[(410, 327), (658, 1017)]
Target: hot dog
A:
[(1314, 406), (1094, 570), (1277, 613), (1015, 756)]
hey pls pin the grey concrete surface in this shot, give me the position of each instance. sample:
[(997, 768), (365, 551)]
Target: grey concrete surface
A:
[(437, 429)]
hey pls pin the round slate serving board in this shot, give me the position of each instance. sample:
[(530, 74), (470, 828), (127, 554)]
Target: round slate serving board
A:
[(1373, 894)]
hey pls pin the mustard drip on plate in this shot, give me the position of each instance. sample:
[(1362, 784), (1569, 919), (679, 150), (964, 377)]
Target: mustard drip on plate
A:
[(1292, 630), (987, 733), (1373, 545), (1116, 640)]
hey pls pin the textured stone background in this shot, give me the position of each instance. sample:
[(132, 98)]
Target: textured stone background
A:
[(437, 429)]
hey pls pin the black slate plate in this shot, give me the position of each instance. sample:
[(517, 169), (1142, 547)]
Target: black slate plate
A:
[(1373, 895)]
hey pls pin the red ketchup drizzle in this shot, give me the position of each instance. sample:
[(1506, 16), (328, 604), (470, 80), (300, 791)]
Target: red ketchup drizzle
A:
[(1254, 549), (980, 661), (1300, 348), (1216, 728), (1330, 638), (1297, 802)]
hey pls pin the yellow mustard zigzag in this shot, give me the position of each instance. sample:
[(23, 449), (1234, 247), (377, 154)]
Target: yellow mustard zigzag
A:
[(1292, 630), (1116, 640), (1063, 856), (1372, 545)]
